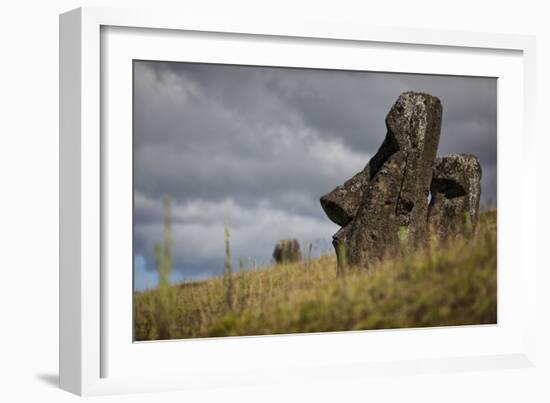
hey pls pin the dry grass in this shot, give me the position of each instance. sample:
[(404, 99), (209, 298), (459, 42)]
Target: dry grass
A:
[(441, 286)]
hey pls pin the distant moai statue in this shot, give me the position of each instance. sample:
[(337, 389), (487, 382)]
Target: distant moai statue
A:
[(287, 251)]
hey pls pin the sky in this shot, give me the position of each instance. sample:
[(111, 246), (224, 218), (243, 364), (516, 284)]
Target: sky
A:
[(254, 148)]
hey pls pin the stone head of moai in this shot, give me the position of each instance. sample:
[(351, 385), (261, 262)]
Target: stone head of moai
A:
[(287, 251), (390, 195), (455, 194)]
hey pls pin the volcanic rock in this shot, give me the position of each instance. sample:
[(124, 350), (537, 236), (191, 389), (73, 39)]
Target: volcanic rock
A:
[(286, 251), (392, 190), (455, 194)]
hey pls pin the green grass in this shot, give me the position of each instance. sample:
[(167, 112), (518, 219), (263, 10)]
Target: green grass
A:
[(444, 285)]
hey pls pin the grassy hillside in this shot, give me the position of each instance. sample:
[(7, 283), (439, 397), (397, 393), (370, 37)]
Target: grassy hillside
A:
[(441, 286)]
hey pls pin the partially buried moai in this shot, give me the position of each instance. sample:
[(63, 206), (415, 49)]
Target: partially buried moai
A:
[(455, 194), (391, 192), (287, 251), (389, 197)]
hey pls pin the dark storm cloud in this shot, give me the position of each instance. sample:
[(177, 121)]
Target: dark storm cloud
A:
[(255, 148)]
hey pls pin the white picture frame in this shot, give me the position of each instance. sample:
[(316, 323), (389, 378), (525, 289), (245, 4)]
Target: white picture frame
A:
[(96, 355)]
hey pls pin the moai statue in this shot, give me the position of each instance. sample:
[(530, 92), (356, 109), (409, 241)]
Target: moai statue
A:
[(392, 191), (287, 251), (455, 190)]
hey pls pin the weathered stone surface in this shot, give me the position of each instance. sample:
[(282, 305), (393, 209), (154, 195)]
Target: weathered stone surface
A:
[(287, 250), (415, 122), (342, 203), (393, 188), (374, 232), (455, 190)]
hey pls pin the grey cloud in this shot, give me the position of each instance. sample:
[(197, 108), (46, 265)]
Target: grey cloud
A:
[(198, 229)]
